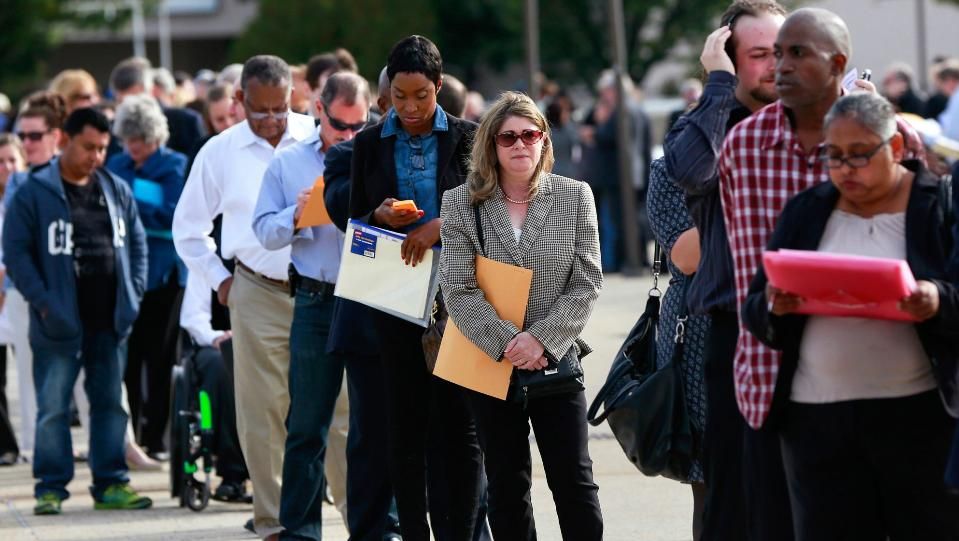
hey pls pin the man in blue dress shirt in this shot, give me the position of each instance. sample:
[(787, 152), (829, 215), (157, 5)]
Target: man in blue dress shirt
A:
[(315, 376)]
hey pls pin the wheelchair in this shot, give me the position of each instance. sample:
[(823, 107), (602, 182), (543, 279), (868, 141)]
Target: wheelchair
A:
[(191, 434)]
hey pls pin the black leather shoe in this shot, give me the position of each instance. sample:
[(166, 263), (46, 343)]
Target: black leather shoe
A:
[(232, 492), (248, 526)]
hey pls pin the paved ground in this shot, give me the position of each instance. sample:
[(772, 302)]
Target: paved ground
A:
[(636, 508)]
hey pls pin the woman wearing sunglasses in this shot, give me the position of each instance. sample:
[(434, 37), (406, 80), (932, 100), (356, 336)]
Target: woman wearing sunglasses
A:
[(547, 223), (867, 405), (418, 152)]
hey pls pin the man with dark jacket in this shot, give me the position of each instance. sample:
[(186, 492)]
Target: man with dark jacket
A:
[(74, 243), (133, 76)]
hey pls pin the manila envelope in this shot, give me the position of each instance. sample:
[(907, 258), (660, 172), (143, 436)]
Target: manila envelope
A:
[(314, 213), (460, 361)]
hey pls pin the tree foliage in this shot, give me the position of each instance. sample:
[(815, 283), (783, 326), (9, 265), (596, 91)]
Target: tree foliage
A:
[(574, 34), (31, 30)]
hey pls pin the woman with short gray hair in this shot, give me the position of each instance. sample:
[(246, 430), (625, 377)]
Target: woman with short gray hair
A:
[(868, 413), (156, 175)]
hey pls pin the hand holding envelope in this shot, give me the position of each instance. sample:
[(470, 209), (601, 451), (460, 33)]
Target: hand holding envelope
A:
[(313, 206)]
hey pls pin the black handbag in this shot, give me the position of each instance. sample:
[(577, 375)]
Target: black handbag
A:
[(646, 407), (560, 375), (433, 335)]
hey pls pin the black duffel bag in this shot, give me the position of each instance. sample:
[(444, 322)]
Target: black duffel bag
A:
[(646, 407)]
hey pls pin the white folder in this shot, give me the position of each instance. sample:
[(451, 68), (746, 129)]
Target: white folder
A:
[(373, 273)]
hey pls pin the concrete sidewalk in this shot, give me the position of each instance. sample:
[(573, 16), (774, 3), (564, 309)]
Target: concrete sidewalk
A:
[(636, 508)]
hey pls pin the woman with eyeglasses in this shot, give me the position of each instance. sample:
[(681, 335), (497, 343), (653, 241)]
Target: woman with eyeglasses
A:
[(547, 223), (869, 404), (418, 152), (39, 126)]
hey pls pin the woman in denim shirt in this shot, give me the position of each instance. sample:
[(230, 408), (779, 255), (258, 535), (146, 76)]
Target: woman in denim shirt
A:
[(418, 152)]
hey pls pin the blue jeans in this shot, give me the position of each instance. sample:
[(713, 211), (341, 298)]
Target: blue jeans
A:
[(102, 356), (315, 381)]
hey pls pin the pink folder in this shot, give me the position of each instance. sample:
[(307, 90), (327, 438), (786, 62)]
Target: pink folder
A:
[(842, 285)]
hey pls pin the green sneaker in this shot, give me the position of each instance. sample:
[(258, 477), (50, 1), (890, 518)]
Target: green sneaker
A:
[(47, 504), (121, 496)]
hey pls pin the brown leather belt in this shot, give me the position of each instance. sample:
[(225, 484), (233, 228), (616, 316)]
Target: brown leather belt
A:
[(281, 283)]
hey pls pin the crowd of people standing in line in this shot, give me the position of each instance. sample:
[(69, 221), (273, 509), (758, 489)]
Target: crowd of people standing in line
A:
[(139, 218)]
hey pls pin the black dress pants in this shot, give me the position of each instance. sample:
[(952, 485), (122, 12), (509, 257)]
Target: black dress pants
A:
[(559, 423), (870, 470), (150, 358), (8, 440), (216, 378), (724, 512), (426, 411), (746, 494)]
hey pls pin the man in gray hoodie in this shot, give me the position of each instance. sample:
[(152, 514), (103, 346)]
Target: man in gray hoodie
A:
[(74, 244)]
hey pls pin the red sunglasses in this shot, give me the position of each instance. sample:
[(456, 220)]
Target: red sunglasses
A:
[(508, 138)]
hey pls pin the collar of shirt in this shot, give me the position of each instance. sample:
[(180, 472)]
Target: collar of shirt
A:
[(391, 126), (295, 131)]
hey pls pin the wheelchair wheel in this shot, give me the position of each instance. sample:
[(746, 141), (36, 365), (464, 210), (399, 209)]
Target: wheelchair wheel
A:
[(196, 495), (179, 431)]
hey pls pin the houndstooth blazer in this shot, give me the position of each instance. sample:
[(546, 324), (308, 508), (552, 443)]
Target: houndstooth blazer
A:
[(560, 243)]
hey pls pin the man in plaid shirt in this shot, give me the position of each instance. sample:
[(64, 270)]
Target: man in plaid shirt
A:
[(768, 158)]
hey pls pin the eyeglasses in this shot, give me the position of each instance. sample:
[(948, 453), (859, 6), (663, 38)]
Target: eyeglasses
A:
[(508, 138), (279, 115), (855, 161), (34, 136), (339, 125), (257, 115)]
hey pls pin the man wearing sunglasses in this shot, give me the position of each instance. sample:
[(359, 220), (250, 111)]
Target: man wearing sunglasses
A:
[(225, 179), (315, 375)]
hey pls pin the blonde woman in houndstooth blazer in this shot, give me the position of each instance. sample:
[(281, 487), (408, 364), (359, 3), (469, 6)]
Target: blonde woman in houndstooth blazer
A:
[(547, 223)]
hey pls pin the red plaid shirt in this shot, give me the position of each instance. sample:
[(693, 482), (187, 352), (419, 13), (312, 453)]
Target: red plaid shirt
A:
[(762, 165)]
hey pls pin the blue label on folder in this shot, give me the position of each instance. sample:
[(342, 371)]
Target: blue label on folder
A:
[(363, 244)]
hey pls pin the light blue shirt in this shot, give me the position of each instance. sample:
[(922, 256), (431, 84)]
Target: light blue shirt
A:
[(417, 158), (315, 250)]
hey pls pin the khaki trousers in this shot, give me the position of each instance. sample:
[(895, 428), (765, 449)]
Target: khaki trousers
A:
[(261, 314)]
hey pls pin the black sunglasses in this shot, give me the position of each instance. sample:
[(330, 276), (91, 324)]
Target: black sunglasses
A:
[(34, 136), (339, 125), (508, 138)]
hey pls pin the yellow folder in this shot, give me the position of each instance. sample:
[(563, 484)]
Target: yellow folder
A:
[(460, 361), (314, 213)]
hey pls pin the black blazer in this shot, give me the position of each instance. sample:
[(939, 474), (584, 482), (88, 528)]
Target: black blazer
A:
[(928, 247), (351, 330), (374, 169)]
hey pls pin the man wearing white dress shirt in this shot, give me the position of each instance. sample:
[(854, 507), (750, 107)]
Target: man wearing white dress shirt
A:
[(225, 179)]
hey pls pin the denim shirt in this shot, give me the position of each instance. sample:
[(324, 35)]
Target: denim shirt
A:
[(417, 158), (692, 148)]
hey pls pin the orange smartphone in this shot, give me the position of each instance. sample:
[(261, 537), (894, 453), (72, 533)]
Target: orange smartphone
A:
[(408, 205)]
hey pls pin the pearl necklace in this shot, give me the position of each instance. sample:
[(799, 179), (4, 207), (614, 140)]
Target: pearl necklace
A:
[(515, 202)]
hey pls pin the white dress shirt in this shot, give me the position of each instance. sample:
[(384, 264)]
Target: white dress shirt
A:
[(196, 313), (225, 179)]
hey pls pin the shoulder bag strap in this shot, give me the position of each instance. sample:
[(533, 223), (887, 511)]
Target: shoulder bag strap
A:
[(479, 229)]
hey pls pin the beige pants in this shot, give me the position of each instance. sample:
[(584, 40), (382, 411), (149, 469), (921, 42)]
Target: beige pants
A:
[(261, 314)]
